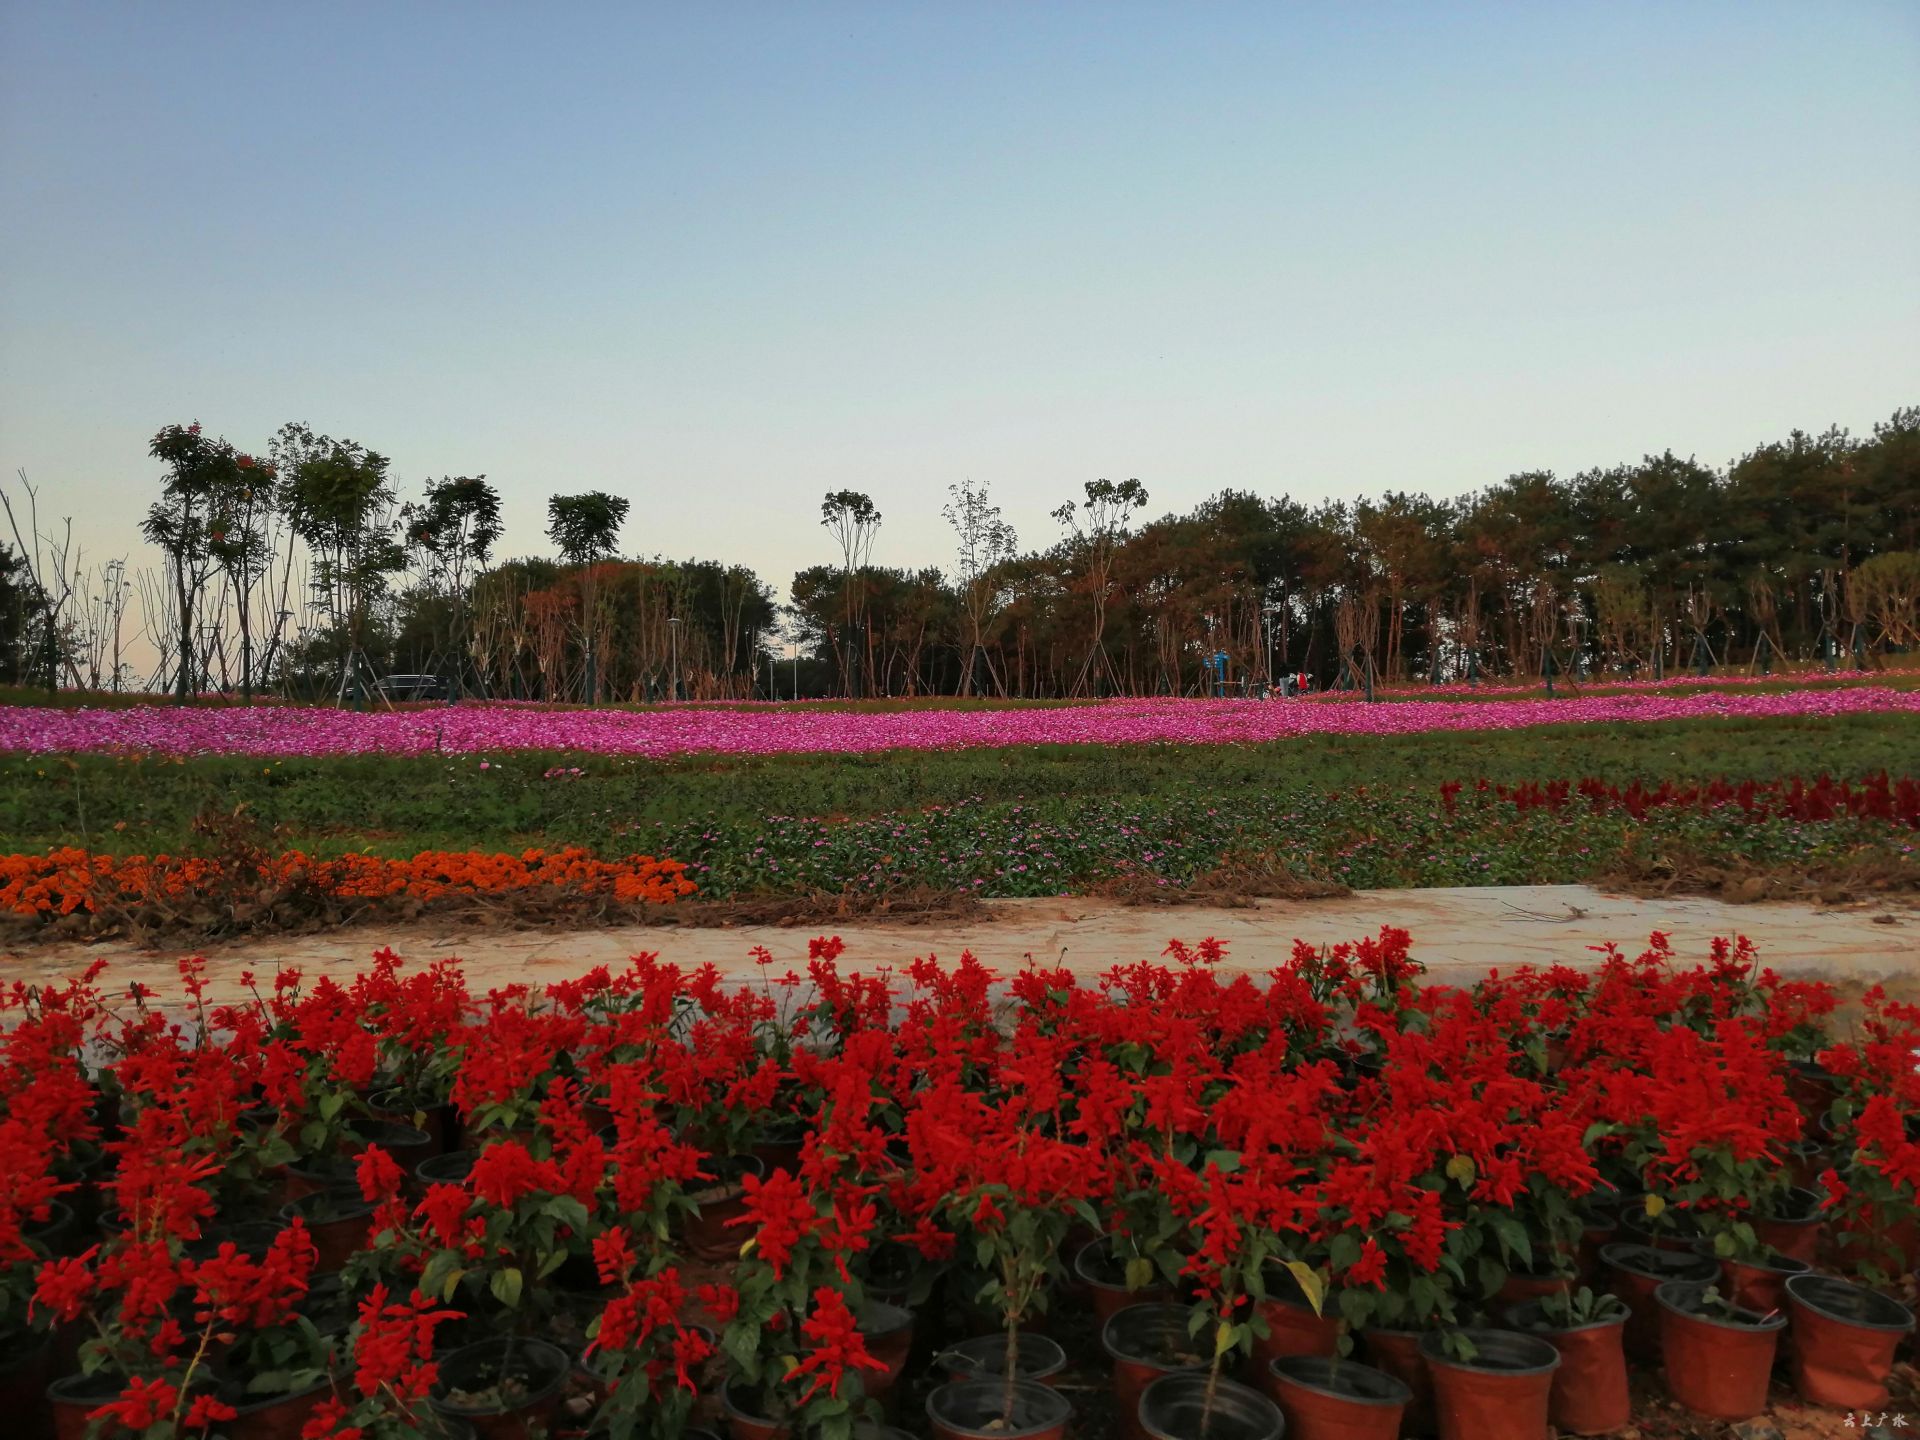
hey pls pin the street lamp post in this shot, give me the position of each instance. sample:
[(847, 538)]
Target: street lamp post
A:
[(673, 637)]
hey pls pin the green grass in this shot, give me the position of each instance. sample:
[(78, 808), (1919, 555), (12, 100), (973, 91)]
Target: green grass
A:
[(399, 805)]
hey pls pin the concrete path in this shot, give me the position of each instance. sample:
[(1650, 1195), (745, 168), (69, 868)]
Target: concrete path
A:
[(1458, 933)]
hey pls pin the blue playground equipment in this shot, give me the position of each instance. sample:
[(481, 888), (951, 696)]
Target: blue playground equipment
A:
[(1217, 663)]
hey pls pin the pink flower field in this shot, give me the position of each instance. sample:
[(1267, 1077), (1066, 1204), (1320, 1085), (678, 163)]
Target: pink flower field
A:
[(284, 731)]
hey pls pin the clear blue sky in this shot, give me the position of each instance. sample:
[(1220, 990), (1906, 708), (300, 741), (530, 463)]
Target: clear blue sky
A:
[(721, 257)]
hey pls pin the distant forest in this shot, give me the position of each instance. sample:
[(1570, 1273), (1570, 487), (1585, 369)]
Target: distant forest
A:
[(301, 570)]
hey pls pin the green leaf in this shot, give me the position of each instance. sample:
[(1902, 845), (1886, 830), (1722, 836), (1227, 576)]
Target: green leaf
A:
[(1356, 1306), (506, 1286), (1513, 1239), (1492, 1275), (1139, 1273), (1460, 1169)]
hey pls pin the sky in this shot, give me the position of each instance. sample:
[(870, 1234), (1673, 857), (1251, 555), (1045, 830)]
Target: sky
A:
[(720, 258)]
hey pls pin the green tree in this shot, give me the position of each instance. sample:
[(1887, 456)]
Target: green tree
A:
[(852, 520), (201, 474), (454, 528), (586, 530), (342, 506)]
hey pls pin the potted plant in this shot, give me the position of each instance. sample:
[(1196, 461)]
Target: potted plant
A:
[(29, 1212), (1756, 1279), (1718, 1357), (506, 1388), (1146, 1342), (386, 1395), (1490, 1384), (1204, 1407), (151, 1364), (1010, 1193), (1589, 1394), (513, 1223), (793, 1343), (1236, 1243), (1844, 1337), (1326, 1398), (1635, 1273)]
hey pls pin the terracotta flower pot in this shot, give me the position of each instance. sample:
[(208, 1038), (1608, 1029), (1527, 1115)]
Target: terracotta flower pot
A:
[(977, 1410), (1397, 1352), (1590, 1394), (780, 1144), (407, 1143), (1717, 1367), (1671, 1229), (1794, 1229), (888, 1332), (1889, 1243), (1602, 1224), (1759, 1284), (711, 1234), (1328, 1399), (745, 1420), (276, 1417), (1503, 1392), (1634, 1273), (73, 1397), (340, 1223), (434, 1121), (1806, 1161), (541, 1371), (1844, 1337), (1812, 1088), (1037, 1358), (1521, 1286), (1177, 1407), (1105, 1279), (1292, 1326), (1146, 1342), (25, 1365)]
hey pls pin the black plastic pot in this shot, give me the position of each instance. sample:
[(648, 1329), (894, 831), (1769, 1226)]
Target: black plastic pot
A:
[(252, 1238), (1175, 1407), (26, 1364), (51, 1235), (540, 1366), (451, 1168), (393, 1136), (977, 1410), (1038, 1358)]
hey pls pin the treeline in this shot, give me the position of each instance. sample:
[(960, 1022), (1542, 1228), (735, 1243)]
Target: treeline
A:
[(1806, 550), (303, 571)]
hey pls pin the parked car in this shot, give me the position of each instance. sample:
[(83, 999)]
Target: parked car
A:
[(413, 687)]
